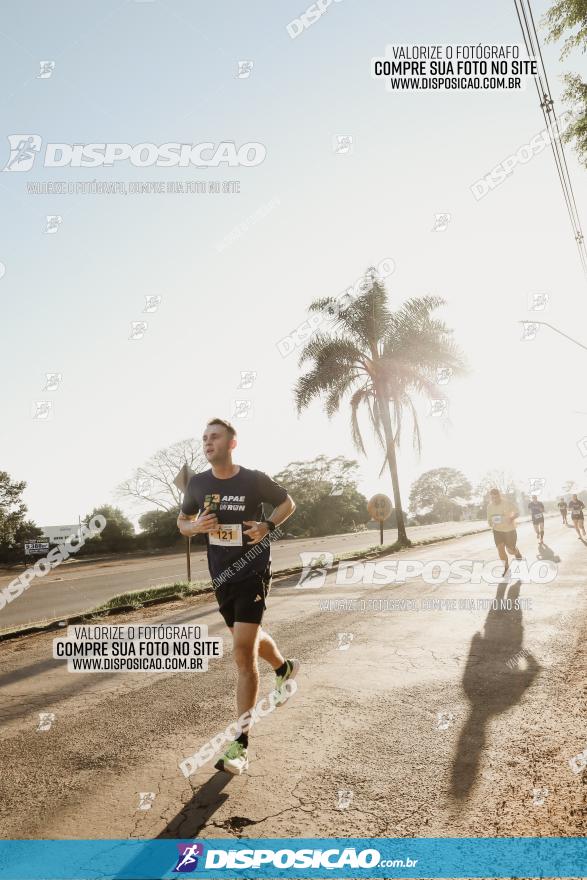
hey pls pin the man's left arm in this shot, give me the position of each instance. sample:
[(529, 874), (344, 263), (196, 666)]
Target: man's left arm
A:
[(283, 507), (283, 511)]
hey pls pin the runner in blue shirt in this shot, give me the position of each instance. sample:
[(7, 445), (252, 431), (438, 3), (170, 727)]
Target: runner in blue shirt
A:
[(536, 509), (576, 507)]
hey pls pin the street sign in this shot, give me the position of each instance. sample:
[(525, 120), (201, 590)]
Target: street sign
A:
[(380, 507), (36, 548), (181, 481), (183, 477), (60, 534)]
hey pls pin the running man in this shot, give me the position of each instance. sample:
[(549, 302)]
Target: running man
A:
[(501, 516), (562, 506), (536, 509), (576, 507), (224, 503)]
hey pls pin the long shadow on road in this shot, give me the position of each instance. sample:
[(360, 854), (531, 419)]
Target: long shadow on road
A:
[(200, 808), (188, 822), (491, 684)]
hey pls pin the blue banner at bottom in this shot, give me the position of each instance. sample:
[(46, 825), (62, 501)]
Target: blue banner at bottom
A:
[(407, 857)]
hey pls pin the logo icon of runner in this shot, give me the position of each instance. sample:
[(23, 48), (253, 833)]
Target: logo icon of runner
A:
[(188, 857), (23, 151)]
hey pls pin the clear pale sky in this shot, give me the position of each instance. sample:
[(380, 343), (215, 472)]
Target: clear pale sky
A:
[(135, 72)]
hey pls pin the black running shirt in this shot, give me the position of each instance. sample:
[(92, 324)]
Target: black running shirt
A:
[(576, 508), (536, 509), (233, 500)]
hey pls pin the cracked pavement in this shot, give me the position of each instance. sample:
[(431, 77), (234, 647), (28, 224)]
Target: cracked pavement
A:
[(365, 720)]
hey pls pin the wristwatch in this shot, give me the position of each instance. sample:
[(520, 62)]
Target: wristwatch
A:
[(270, 525)]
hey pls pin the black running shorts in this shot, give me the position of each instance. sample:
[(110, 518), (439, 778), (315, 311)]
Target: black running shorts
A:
[(510, 539), (244, 601)]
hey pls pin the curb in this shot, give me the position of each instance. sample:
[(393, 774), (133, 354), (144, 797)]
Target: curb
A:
[(54, 625)]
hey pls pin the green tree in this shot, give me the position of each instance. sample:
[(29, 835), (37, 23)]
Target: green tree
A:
[(440, 495), (326, 495), (118, 533), (27, 531), (159, 527), (381, 359), (564, 16), (568, 18), (14, 529), (575, 97), (12, 508)]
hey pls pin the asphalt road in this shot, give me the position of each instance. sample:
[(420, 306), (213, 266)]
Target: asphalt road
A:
[(73, 588), (438, 721)]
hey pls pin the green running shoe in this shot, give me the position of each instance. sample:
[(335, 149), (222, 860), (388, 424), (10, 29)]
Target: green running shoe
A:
[(293, 667), (234, 760)]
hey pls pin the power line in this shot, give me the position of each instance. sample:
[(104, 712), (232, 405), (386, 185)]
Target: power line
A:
[(534, 51), (556, 330)]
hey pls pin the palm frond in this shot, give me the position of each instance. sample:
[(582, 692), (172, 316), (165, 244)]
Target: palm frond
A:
[(361, 395), (336, 366)]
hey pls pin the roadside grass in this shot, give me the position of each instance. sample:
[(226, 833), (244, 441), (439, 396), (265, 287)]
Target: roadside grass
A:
[(130, 601), (138, 598)]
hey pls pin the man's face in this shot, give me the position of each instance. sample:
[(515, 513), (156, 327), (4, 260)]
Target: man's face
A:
[(534, 497), (217, 443)]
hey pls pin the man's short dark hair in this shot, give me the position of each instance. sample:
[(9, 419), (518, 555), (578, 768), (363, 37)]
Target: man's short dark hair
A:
[(225, 424)]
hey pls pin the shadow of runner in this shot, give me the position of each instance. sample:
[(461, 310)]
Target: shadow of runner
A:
[(546, 552), (490, 684), (205, 802), (184, 827)]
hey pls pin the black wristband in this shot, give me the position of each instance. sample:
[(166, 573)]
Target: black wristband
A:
[(270, 525)]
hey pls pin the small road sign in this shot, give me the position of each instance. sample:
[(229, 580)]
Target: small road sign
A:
[(380, 507), (36, 548)]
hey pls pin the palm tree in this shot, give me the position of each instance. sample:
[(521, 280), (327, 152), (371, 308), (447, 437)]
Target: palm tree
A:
[(379, 358)]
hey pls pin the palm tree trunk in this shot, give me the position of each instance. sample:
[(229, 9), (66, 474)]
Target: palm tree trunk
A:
[(383, 404)]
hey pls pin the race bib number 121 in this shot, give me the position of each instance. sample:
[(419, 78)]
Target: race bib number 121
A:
[(227, 535)]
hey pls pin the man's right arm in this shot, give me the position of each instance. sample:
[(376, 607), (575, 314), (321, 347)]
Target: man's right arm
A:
[(199, 525), (186, 524), (191, 521)]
